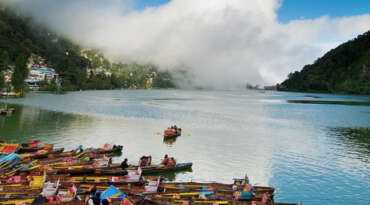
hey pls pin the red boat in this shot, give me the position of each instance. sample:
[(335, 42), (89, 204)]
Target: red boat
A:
[(172, 132)]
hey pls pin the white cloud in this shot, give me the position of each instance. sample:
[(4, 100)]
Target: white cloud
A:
[(223, 43)]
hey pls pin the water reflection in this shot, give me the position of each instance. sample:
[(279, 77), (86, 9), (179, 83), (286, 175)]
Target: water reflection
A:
[(331, 102), (169, 141), (33, 123), (357, 140)]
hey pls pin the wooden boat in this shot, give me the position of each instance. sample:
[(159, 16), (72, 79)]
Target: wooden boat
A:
[(221, 190), (74, 202), (44, 153), (153, 169), (33, 146), (7, 148), (162, 168), (198, 185), (83, 188), (91, 152), (170, 201), (98, 180), (115, 170), (75, 159), (113, 149), (137, 200), (19, 201), (172, 133)]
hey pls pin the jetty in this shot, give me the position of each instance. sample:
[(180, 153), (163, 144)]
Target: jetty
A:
[(32, 173)]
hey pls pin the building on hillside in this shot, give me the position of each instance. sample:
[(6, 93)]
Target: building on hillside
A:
[(38, 73), (96, 71), (8, 75), (35, 60)]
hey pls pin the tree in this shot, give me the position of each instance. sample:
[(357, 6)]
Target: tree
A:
[(4, 61), (2, 81), (114, 81), (345, 69), (20, 73)]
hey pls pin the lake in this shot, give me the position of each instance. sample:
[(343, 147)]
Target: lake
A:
[(317, 153)]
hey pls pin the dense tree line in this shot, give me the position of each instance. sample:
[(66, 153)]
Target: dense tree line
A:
[(20, 37), (345, 69)]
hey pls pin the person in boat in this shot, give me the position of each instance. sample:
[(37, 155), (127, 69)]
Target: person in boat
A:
[(149, 160), (165, 160), (124, 164), (109, 161), (96, 198), (40, 200), (175, 129), (90, 199), (106, 202), (143, 161), (172, 162)]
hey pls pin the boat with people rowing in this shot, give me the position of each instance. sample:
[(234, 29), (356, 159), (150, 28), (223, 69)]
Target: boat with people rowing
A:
[(172, 132), (160, 168)]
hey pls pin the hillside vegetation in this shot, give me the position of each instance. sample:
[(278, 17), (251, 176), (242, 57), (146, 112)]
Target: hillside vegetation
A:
[(78, 68), (345, 69)]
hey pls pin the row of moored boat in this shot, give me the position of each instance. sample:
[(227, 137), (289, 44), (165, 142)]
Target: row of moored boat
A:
[(34, 174)]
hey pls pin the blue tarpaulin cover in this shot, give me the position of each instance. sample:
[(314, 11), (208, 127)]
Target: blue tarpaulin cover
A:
[(112, 192), (206, 193), (246, 195), (78, 150)]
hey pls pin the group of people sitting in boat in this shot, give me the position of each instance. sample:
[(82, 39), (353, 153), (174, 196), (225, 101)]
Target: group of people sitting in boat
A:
[(147, 161), (167, 161), (175, 129)]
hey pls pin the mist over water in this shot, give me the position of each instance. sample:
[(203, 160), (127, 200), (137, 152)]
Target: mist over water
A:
[(317, 153), (220, 43)]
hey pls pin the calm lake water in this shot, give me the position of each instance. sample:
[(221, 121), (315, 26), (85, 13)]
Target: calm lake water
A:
[(314, 153)]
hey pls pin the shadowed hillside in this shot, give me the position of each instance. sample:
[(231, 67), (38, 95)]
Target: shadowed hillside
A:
[(345, 69), (78, 68)]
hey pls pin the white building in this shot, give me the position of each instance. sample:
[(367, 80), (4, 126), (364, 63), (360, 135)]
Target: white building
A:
[(37, 74)]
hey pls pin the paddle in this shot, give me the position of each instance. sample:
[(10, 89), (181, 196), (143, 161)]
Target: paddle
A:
[(159, 133)]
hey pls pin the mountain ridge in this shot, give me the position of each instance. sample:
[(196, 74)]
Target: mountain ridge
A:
[(344, 69)]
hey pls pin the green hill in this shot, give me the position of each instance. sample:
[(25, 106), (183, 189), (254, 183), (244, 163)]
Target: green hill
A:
[(21, 37), (345, 69)]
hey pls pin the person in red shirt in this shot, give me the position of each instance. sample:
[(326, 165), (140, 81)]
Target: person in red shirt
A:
[(165, 160)]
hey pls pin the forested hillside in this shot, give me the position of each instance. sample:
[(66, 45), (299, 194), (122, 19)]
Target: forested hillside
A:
[(78, 68), (345, 69)]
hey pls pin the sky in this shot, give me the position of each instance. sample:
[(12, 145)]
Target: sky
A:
[(308, 9), (299, 9), (219, 43)]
